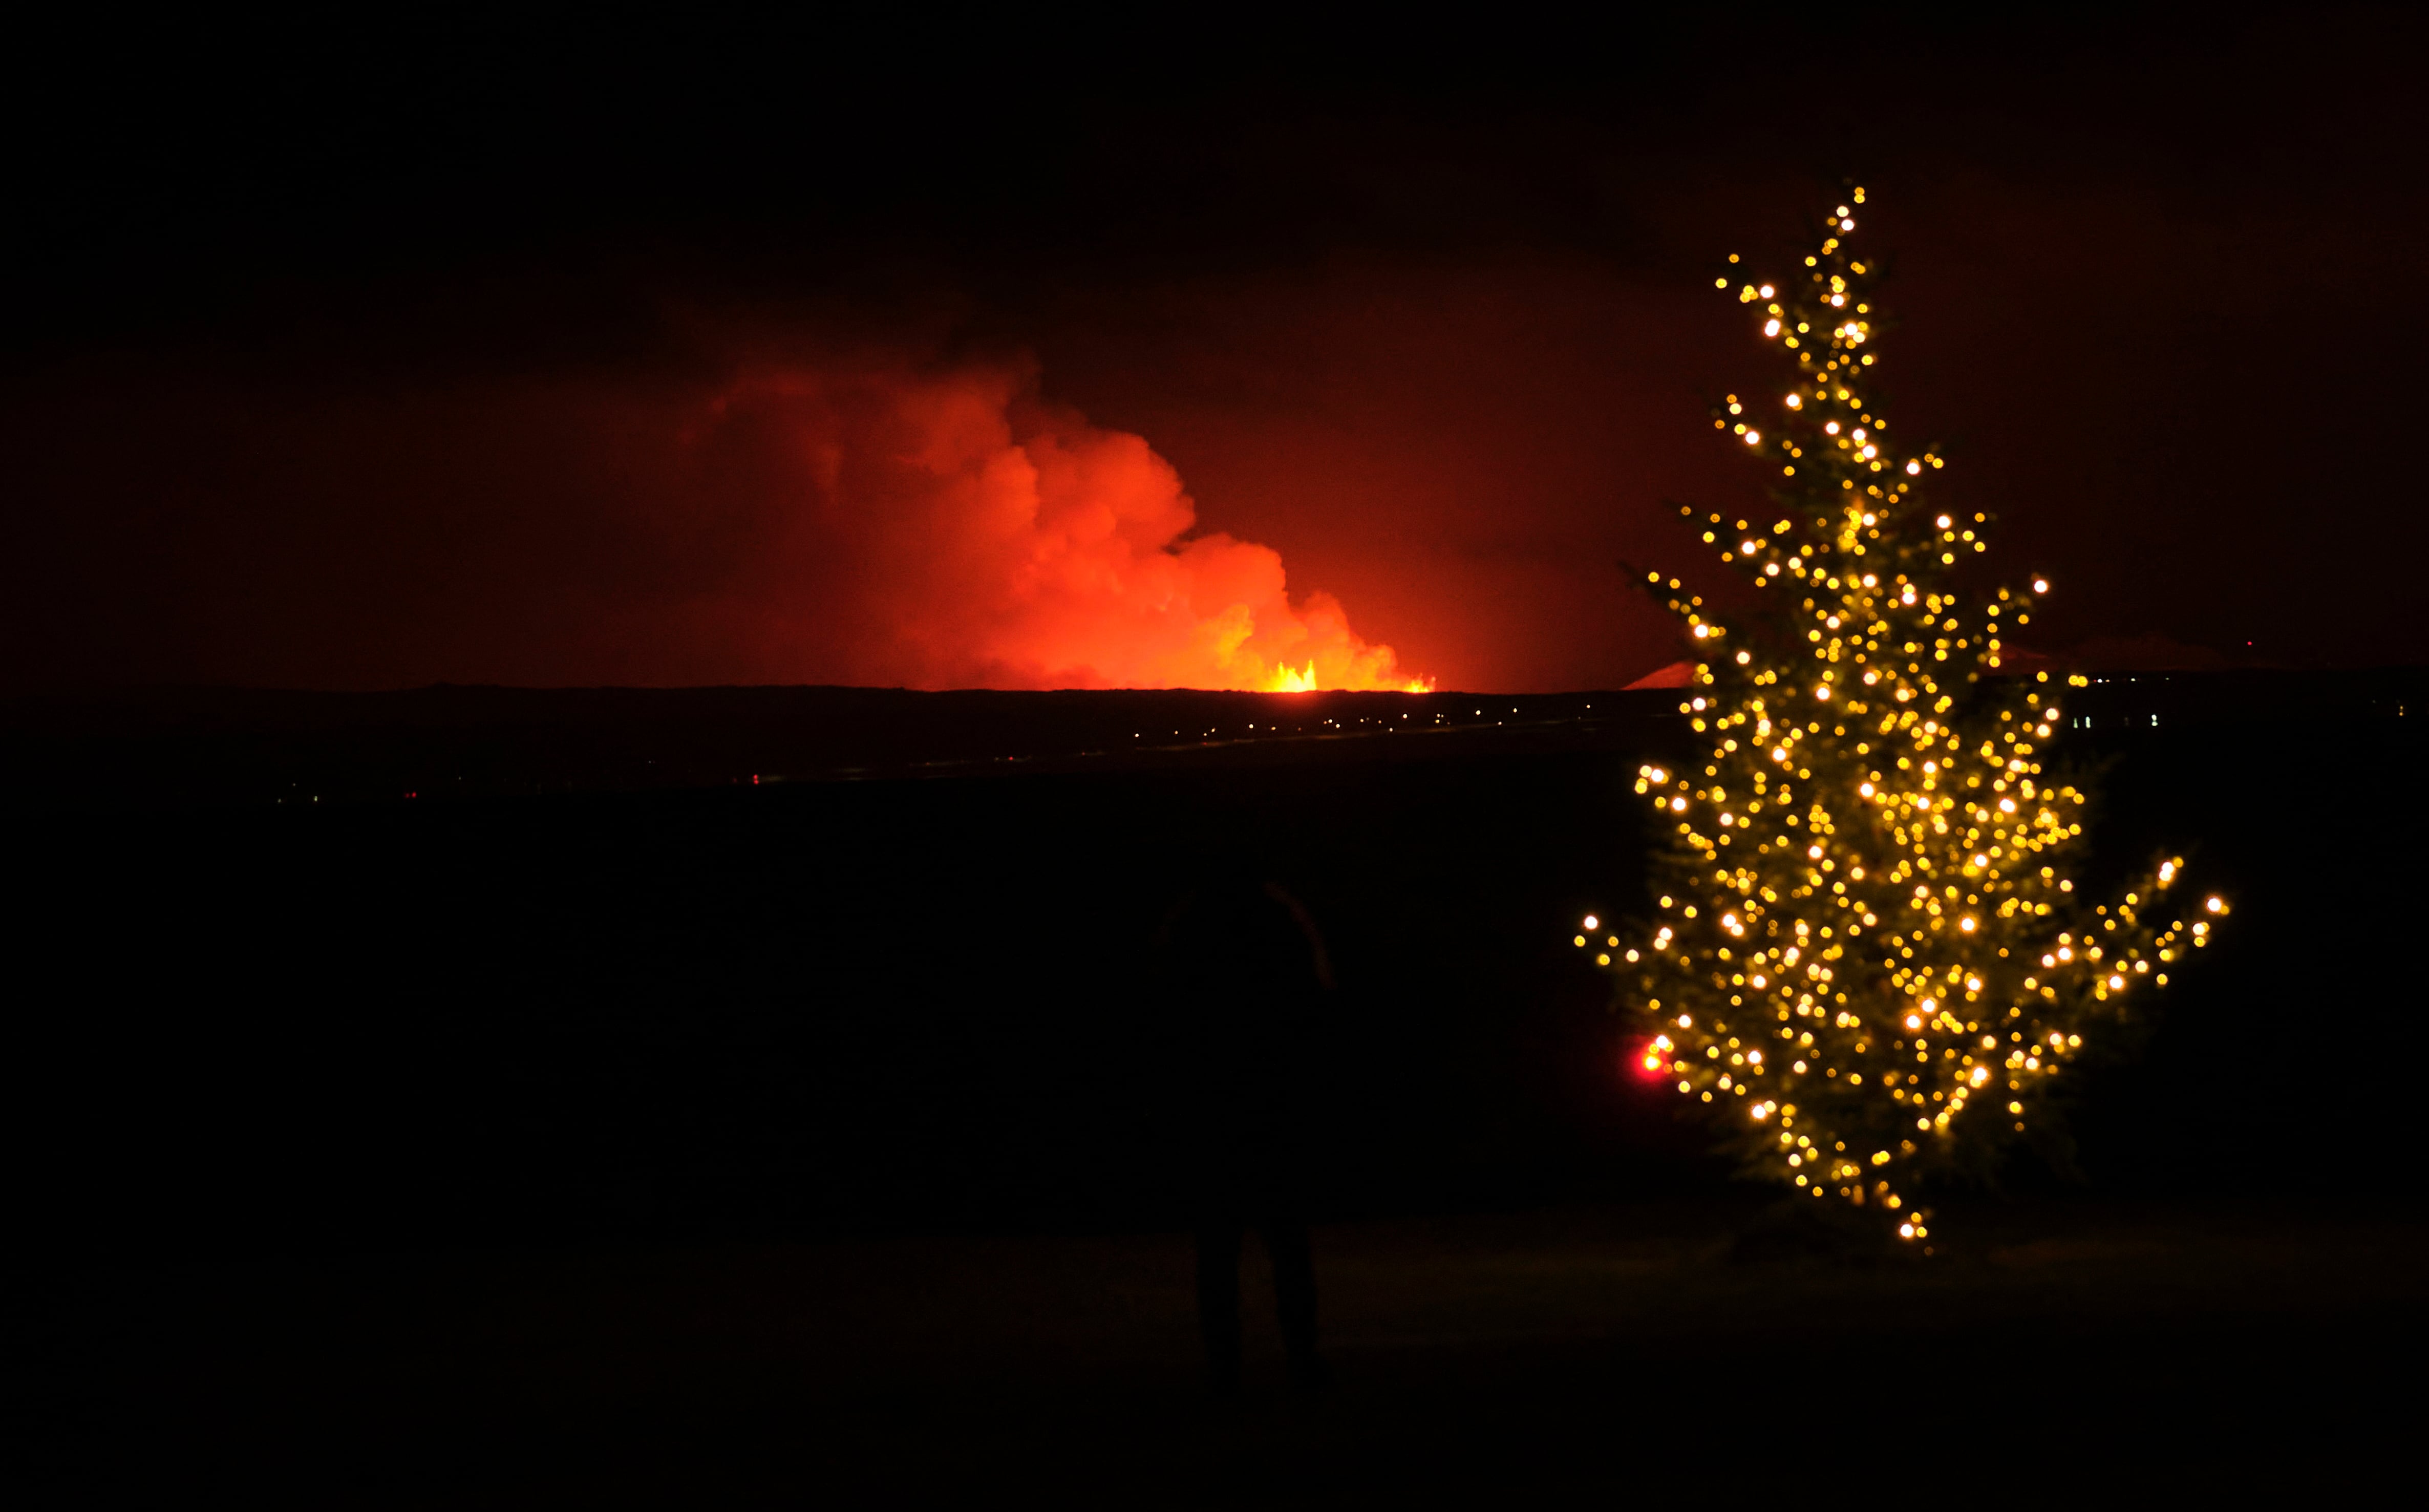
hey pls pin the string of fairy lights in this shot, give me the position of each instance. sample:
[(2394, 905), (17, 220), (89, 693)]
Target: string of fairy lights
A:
[(1869, 954)]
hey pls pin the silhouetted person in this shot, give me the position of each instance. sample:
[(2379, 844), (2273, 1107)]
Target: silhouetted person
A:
[(1243, 968)]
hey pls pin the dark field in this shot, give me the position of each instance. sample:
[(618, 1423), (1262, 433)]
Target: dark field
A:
[(2051, 1350), (601, 1135)]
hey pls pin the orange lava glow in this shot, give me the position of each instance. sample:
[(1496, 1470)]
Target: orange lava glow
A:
[(1306, 680), (967, 535)]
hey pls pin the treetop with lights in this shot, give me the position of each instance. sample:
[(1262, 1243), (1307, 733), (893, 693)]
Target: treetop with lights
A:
[(1870, 958)]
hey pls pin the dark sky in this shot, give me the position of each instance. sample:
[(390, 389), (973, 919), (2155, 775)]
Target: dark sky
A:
[(371, 358)]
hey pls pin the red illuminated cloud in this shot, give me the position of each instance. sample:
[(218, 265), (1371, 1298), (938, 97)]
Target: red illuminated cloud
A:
[(872, 522), (961, 534)]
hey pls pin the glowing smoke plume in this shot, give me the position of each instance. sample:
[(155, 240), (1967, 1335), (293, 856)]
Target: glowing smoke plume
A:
[(978, 537), (817, 519)]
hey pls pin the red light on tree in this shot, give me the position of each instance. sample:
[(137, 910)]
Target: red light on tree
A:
[(1644, 1059)]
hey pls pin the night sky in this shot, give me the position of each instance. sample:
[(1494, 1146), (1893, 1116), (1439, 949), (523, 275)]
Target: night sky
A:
[(483, 351)]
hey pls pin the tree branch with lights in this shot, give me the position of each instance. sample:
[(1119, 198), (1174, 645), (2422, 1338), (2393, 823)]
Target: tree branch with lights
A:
[(1870, 959)]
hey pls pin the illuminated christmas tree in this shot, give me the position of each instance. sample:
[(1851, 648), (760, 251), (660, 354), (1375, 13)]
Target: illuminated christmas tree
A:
[(1870, 958)]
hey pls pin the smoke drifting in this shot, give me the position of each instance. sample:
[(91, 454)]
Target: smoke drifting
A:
[(963, 534), (864, 522)]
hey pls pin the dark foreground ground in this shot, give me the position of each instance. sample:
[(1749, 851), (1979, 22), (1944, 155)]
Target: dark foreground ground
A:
[(626, 1131), (2047, 1352)]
